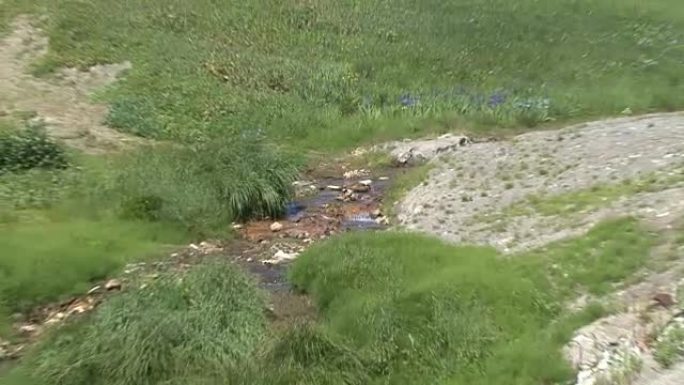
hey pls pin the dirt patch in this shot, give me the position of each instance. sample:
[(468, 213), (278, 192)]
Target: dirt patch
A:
[(62, 103), (478, 180)]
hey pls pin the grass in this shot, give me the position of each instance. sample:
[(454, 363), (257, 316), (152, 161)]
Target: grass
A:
[(422, 311), (323, 74), (170, 332), (61, 230), (396, 308), (670, 347), (403, 183), (597, 196)]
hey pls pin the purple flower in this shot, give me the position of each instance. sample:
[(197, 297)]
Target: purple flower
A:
[(497, 99)]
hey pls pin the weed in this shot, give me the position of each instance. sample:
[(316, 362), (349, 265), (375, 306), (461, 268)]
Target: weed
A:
[(670, 346), (28, 149)]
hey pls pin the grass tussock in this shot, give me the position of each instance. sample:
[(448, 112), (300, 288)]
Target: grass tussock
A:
[(205, 186), (173, 331)]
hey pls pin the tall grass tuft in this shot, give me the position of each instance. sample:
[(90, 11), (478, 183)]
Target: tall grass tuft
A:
[(174, 330), (206, 185)]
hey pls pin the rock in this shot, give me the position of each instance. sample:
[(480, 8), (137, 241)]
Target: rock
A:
[(28, 328), (383, 178), (333, 187), (355, 173), (280, 257), (359, 188), (366, 182), (663, 299), (113, 284), (237, 226), (382, 220), (376, 213), (276, 226)]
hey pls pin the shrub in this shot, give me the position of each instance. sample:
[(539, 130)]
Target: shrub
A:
[(172, 331), (30, 148)]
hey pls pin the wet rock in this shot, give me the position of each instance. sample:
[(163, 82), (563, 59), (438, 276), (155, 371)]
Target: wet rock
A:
[(355, 173), (376, 213), (281, 257), (276, 226), (29, 329), (360, 188), (237, 226), (113, 284), (366, 182), (333, 187), (383, 178)]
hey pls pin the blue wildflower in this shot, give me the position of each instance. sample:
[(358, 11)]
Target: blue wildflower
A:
[(496, 99), (407, 100)]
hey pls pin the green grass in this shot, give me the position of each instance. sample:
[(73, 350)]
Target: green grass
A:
[(592, 198), (670, 347), (402, 183), (44, 260), (395, 308), (417, 310), (326, 74), (171, 332)]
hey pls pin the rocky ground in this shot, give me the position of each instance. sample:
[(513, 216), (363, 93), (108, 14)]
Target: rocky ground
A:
[(545, 186)]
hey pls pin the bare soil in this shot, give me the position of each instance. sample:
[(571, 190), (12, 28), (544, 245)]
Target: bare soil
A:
[(63, 102)]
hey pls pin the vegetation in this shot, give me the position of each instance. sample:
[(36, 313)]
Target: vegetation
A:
[(328, 75), (670, 347), (29, 149), (396, 308), (403, 182), (170, 332)]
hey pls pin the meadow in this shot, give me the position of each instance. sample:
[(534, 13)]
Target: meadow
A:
[(234, 96)]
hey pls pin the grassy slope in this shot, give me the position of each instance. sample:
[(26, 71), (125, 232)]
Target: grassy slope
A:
[(418, 309), (331, 74), (396, 308)]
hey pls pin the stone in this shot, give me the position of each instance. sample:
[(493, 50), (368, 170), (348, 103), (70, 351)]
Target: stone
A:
[(333, 187), (281, 257), (237, 226), (28, 328), (355, 173), (113, 284), (663, 299), (359, 188), (366, 182), (383, 178), (376, 213), (276, 226)]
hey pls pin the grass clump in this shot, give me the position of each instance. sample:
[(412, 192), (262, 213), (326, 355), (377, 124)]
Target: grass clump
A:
[(403, 183), (29, 149), (670, 347), (611, 252), (205, 186), (174, 331)]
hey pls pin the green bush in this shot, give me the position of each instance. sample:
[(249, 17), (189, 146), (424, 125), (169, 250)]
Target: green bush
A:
[(204, 186), (173, 331), (28, 149)]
